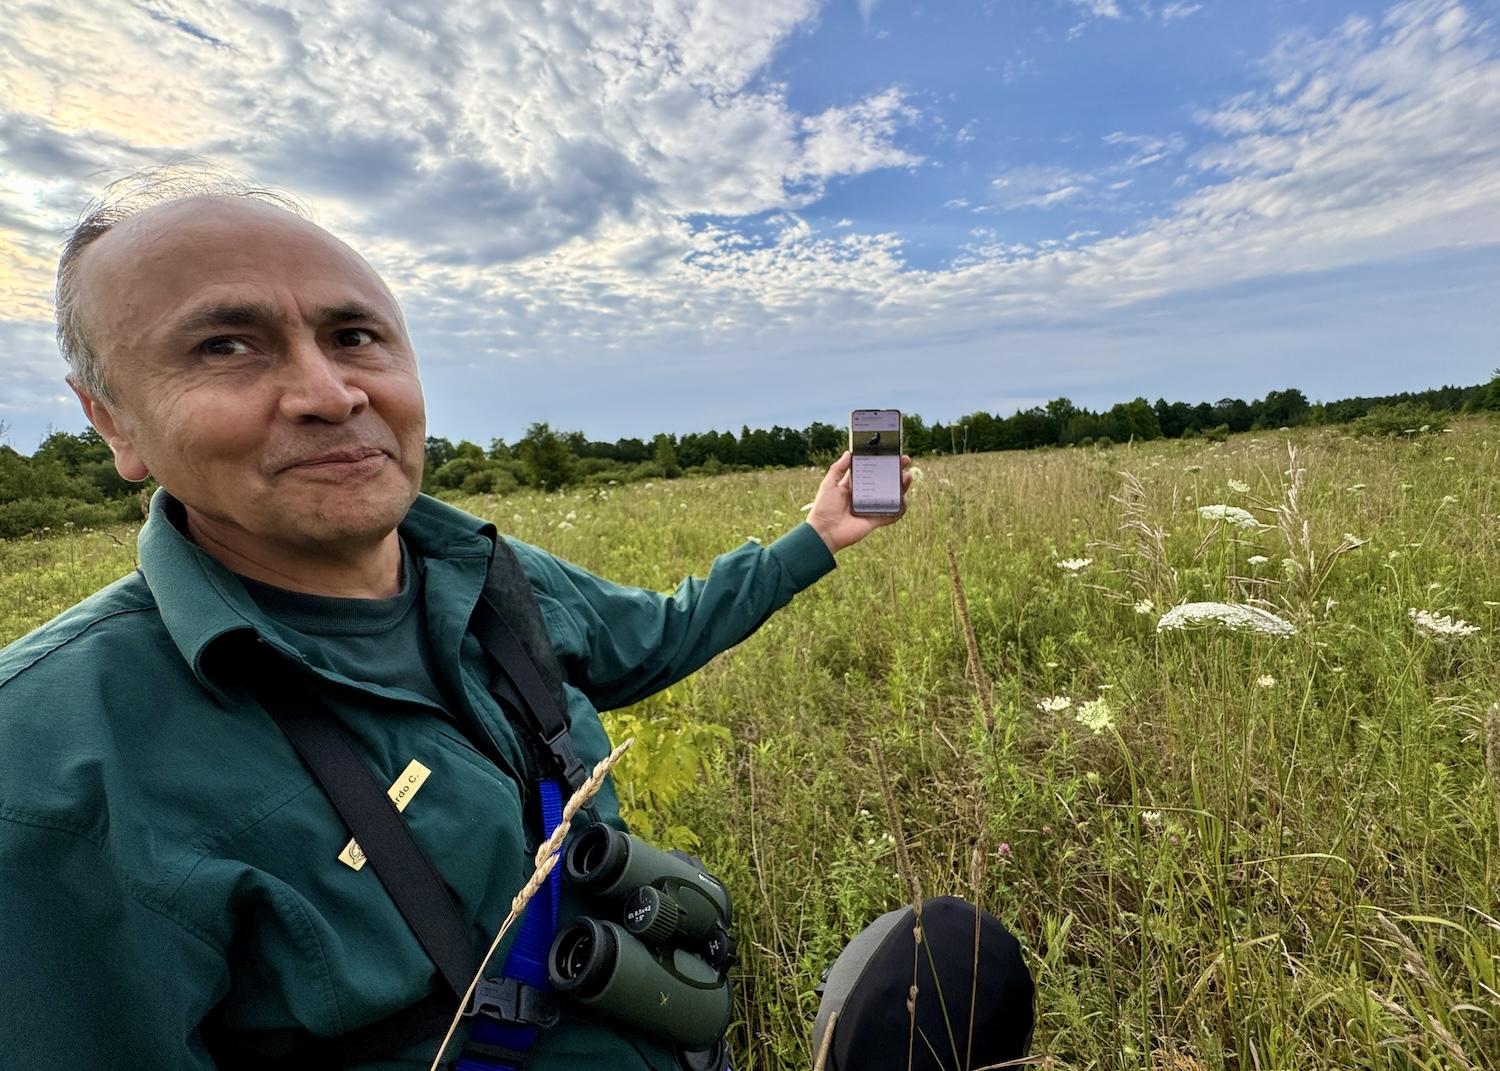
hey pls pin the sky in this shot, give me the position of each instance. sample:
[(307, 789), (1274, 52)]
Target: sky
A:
[(627, 217)]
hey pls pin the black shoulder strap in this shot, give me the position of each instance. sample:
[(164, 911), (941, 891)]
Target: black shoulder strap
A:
[(508, 624), (398, 860)]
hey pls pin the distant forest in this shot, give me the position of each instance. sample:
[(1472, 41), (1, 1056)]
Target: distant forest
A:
[(70, 481)]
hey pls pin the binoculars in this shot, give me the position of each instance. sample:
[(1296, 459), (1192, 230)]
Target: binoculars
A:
[(663, 967)]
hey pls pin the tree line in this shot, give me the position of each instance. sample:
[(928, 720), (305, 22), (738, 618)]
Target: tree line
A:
[(70, 481)]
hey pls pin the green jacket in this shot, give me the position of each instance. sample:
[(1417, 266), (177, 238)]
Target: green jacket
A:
[(166, 859)]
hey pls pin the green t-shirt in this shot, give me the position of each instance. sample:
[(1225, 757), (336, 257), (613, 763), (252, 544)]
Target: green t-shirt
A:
[(380, 641)]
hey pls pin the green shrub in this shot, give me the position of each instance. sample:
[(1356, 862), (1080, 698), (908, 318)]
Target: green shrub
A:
[(1407, 418), (490, 480), (29, 516)]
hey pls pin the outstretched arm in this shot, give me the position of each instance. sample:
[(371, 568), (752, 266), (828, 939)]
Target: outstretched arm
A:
[(621, 644)]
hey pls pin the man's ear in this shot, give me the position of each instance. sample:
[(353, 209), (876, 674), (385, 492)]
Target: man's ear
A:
[(128, 462)]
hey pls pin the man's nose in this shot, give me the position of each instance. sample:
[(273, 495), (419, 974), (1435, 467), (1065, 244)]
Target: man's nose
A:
[(315, 383)]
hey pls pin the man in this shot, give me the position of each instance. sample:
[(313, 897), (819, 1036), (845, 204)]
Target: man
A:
[(174, 892)]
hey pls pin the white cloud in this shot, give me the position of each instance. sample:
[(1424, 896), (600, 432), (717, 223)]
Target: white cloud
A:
[(1037, 187), (1094, 11), (1173, 11), (1099, 9), (1146, 149)]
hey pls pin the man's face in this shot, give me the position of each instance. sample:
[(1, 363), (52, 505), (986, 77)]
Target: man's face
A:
[(261, 372)]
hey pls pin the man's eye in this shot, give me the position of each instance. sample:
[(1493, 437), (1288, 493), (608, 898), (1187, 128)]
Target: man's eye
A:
[(222, 347), (344, 337)]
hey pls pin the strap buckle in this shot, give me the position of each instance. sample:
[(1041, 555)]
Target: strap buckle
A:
[(513, 1003), (573, 770)]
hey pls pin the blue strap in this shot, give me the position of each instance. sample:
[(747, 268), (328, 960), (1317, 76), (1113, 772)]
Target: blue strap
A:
[(527, 960)]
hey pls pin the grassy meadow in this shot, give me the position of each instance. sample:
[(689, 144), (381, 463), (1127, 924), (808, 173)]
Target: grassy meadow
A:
[(1221, 849)]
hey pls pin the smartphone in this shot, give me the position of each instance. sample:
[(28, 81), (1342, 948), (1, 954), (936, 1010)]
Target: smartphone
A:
[(875, 442)]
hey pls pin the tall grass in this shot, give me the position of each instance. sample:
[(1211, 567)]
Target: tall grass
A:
[(1274, 853)]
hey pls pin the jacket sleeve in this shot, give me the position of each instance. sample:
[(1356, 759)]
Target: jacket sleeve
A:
[(628, 643), (94, 976)]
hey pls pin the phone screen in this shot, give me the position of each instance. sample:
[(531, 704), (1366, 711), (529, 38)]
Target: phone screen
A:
[(875, 440)]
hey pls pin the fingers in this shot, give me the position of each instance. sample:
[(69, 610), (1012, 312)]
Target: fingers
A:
[(838, 473), (839, 468)]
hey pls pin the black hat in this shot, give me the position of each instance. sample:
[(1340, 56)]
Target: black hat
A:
[(868, 985)]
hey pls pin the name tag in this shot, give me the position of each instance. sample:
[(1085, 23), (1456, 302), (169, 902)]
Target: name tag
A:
[(401, 792)]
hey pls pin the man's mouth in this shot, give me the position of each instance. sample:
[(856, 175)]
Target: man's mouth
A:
[(346, 456)]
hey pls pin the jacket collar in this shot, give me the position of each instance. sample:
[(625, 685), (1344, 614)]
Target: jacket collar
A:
[(203, 603)]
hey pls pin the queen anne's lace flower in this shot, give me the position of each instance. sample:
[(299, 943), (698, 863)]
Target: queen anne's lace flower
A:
[(1440, 626), (1145, 606), (1096, 716), (1240, 518), (1054, 703), (1233, 615), (1075, 565), (1239, 487), (1257, 559)]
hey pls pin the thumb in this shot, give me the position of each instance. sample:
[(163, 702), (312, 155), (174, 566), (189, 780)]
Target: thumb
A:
[(838, 468)]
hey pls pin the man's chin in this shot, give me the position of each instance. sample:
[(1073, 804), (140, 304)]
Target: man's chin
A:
[(349, 515)]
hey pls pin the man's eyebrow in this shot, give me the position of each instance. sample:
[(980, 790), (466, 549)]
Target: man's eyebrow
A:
[(213, 316), (349, 312), (255, 314)]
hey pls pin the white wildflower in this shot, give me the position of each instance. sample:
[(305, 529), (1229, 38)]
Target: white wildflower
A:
[(1095, 715), (1240, 518), (1239, 487), (1233, 615), (1193, 468), (1151, 818), (753, 539), (1054, 703), (572, 515), (1257, 559), (1449, 500), (1440, 626), (1075, 565), (1356, 488), (1145, 606), (565, 524), (1265, 681), (1052, 665), (1354, 541), (1449, 458), (516, 518)]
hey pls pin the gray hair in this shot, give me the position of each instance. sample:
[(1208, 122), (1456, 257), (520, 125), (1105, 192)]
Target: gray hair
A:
[(121, 199)]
